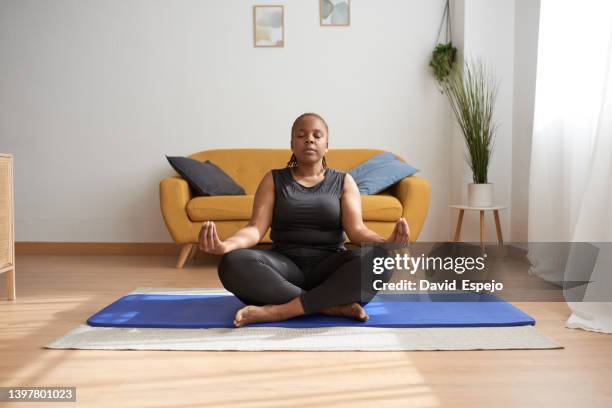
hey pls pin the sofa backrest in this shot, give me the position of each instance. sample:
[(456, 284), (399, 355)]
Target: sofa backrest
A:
[(248, 166)]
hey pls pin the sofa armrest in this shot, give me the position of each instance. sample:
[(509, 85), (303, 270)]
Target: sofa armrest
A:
[(413, 192), (174, 194)]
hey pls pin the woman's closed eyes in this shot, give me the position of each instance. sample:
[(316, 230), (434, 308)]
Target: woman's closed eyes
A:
[(316, 135)]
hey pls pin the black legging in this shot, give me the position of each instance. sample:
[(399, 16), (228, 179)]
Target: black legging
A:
[(320, 278)]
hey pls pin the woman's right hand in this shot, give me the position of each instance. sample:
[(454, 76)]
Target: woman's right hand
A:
[(208, 240)]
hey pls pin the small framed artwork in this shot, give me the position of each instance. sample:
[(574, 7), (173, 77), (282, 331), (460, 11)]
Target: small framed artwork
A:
[(268, 26), (335, 12)]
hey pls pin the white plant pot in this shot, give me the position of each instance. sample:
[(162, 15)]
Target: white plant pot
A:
[(480, 195)]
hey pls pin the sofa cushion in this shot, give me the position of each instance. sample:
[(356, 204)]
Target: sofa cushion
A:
[(206, 179), (220, 208), (380, 172), (380, 207)]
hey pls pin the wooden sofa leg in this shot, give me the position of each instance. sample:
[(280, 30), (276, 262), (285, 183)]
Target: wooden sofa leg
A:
[(10, 281), (183, 255), (194, 252)]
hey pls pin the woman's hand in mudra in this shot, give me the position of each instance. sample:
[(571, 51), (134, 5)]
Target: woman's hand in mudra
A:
[(401, 233), (209, 241)]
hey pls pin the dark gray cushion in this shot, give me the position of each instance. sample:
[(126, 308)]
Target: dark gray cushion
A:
[(205, 179), (380, 172)]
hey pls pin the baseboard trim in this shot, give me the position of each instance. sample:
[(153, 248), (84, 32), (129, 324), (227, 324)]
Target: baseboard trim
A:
[(96, 248), (102, 248)]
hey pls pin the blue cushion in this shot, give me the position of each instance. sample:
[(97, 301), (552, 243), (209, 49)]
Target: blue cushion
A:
[(380, 172), (205, 179)]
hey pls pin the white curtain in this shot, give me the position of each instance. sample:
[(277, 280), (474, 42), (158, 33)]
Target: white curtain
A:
[(570, 186)]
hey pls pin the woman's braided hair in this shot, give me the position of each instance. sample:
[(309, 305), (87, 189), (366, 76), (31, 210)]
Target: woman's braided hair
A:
[(293, 160)]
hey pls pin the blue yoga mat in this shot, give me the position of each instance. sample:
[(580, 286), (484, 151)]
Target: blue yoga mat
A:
[(214, 310)]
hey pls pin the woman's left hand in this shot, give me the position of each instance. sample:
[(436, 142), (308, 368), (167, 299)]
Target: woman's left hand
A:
[(401, 233)]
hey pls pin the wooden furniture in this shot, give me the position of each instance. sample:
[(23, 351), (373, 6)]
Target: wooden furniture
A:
[(482, 210), (7, 229)]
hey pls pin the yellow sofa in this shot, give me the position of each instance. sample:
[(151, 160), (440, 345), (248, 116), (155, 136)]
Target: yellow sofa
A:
[(184, 214)]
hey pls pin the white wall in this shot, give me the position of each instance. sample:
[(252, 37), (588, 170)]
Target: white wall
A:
[(94, 93), (527, 19), (460, 173)]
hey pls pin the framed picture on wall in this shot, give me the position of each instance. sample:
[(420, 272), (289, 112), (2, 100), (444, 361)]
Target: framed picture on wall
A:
[(335, 12), (268, 26)]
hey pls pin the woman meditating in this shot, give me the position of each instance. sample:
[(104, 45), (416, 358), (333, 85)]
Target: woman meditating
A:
[(308, 207)]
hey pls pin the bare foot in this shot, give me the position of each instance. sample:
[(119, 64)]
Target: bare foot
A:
[(352, 310), (256, 314)]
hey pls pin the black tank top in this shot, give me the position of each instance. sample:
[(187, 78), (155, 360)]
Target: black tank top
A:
[(307, 216)]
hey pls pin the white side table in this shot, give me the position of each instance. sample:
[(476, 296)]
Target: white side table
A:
[(495, 209)]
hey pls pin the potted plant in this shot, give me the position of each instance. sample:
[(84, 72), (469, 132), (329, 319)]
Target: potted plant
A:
[(442, 60), (444, 53), (472, 93)]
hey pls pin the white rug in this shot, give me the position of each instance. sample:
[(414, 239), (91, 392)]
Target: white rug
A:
[(304, 339)]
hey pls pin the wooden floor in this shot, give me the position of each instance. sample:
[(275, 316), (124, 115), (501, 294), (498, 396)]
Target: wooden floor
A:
[(57, 293)]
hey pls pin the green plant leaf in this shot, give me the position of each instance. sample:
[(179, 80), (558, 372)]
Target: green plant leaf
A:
[(442, 60), (471, 93)]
